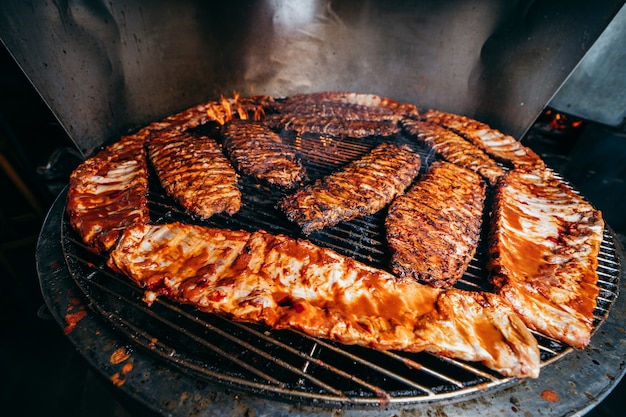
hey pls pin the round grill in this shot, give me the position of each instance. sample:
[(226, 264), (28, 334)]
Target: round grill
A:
[(287, 366)]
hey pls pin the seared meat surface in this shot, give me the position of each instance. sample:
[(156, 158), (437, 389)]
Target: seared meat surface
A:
[(259, 152), (292, 284), (433, 230), (543, 254), (340, 114), (193, 170), (362, 187), (453, 148), (504, 148)]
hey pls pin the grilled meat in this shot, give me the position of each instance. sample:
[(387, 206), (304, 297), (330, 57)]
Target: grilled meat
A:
[(543, 254), (362, 187), (257, 151), (194, 172), (503, 148), (293, 284), (347, 105), (108, 192), (219, 111), (332, 126), (339, 114), (433, 229), (453, 148)]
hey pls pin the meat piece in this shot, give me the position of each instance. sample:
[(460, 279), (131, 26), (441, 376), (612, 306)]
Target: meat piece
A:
[(340, 114), (219, 111), (257, 151), (543, 254), (194, 172), (433, 230), (108, 192), (332, 126), (502, 147), (292, 284), (362, 187), (347, 105), (453, 148)]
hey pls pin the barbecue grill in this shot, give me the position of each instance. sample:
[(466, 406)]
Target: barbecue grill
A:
[(96, 66)]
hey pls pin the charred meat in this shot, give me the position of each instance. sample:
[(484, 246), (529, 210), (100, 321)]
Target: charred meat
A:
[(361, 188), (257, 151), (339, 114), (193, 170), (433, 230), (455, 149), (504, 148)]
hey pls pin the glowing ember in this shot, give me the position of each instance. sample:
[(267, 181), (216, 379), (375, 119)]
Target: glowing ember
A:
[(560, 121)]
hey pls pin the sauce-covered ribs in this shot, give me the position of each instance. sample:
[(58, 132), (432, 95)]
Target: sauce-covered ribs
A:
[(108, 192), (455, 149), (433, 230), (286, 283), (544, 254), (504, 148), (362, 187), (193, 170)]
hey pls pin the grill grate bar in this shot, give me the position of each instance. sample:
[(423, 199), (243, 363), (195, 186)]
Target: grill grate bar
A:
[(360, 361), (319, 362), (273, 358), (433, 372)]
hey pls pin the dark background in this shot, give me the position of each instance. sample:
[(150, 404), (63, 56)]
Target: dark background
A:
[(41, 373)]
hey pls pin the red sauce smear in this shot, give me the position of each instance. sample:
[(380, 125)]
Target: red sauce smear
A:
[(550, 395), (72, 320)]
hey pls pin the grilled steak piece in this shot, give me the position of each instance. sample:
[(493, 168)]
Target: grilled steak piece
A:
[(339, 114), (193, 170), (257, 151), (453, 148), (543, 254), (503, 148), (362, 187), (292, 284), (108, 192), (433, 229)]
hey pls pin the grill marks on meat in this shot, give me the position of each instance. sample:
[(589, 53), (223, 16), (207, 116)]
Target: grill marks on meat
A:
[(332, 126), (340, 114), (543, 254), (361, 188), (194, 172), (108, 192), (433, 230), (293, 284), (257, 151), (503, 148), (453, 148)]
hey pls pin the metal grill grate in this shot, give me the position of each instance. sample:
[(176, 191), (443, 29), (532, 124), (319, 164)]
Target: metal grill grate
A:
[(287, 365)]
